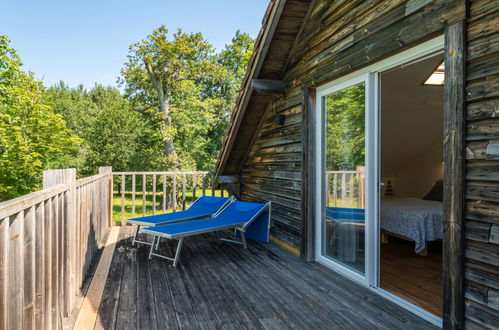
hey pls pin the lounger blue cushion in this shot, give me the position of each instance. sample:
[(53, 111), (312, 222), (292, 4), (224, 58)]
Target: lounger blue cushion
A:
[(347, 210), (204, 207), (345, 214), (236, 214)]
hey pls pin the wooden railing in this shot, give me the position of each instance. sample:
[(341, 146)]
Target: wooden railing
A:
[(346, 188), (48, 240), (145, 193)]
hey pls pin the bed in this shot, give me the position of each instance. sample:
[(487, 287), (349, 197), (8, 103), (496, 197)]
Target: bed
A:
[(412, 218)]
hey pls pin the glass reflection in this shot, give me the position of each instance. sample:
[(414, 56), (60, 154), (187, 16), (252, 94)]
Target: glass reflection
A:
[(344, 223)]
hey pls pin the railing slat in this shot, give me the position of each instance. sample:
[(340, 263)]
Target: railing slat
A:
[(335, 188), (16, 272), (28, 287), (212, 184), (343, 188), (174, 193), (328, 189), (204, 185), (60, 255), (164, 193), (133, 195), (194, 187), (78, 240), (144, 187), (48, 264), (183, 191), (123, 197), (154, 194), (4, 257)]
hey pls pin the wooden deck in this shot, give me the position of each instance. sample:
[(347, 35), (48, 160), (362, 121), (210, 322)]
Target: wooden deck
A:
[(219, 285)]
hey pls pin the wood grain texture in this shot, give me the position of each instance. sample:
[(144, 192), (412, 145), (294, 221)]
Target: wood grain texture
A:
[(454, 115), (413, 277), (482, 189), (308, 192), (224, 286), (48, 240), (88, 311)]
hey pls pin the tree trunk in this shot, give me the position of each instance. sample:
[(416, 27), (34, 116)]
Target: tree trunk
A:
[(164, 107)]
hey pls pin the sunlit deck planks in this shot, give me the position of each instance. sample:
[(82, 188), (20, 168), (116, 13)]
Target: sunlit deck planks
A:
[(224, 286)]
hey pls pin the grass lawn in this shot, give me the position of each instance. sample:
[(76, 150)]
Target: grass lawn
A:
[(149, 203)]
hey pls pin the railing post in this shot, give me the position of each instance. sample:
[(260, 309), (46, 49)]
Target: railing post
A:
[(109, 170), (68, 177), (361, 170)]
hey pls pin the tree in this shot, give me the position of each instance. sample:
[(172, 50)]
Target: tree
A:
[(159, 70), (345, 138), (187, 89), (112, 134), (234, 58), (114, 139), (31, 133)]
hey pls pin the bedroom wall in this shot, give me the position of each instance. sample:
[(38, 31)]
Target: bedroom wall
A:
[(417, 179), (411, 128)]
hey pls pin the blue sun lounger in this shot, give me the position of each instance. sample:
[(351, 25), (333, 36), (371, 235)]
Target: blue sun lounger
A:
[(346, 215), (249, 220), (202, 208)]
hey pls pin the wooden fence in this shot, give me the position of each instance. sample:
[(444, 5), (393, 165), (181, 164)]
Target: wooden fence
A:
[(47, 243), (160, 191), (346, 188)]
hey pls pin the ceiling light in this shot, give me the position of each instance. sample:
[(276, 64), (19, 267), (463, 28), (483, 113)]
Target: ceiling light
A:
[(437, 76)]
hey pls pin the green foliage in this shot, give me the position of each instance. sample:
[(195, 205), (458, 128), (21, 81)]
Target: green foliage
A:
[(179, 95), (112, 134), (186, 89), (32, 135), (345, 139), (234, 58)]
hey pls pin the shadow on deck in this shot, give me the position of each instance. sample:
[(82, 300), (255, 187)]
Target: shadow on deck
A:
[(224, 286)]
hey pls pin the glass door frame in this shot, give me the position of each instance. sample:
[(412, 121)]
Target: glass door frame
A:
[(370, 169), (370, 74)]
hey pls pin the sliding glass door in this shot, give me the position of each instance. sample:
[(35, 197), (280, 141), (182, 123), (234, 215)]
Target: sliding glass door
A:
[(343, 150)]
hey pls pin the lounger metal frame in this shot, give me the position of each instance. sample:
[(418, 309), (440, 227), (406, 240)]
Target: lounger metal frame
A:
[(145, 224), (241, 227)]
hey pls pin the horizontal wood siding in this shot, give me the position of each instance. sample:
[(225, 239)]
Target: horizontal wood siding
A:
[(272, 172), (337, 37), (482, 166)]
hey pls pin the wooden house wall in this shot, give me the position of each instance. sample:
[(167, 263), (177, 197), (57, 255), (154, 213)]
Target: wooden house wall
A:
[(272, 172), (482, 167), (338, 37)]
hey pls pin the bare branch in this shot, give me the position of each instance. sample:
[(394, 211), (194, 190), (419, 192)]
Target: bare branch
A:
[(156, 83)]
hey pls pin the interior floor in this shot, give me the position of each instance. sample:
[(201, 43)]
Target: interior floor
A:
[(415, 278)]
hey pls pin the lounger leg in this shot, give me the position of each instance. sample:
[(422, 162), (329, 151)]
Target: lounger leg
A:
[(242, 241), (135, 236), (219, 237), (152, 247), (177, 253), (243, 238), (157, 243)]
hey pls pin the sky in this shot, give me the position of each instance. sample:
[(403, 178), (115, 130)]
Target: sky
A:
[(86, 41)]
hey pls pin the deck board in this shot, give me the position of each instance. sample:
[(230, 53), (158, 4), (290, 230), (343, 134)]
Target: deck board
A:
[(219, 285)]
